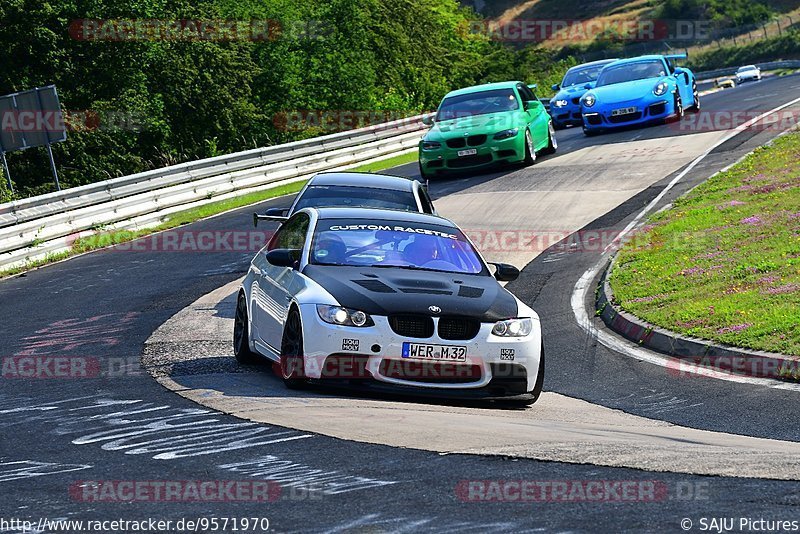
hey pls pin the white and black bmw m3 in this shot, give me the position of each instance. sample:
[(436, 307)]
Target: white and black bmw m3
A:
[(387, 298)]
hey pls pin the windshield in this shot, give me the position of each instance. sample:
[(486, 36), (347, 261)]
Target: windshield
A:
[(331, 196), (494, 101), (749, 67), (357, 243), (581, 75), (628, 72)]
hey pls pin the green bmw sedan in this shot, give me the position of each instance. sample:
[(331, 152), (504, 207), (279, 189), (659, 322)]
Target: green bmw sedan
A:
[(484, 125)]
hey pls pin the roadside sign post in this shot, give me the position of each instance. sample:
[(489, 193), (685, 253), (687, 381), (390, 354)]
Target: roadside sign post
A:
[(30, 119), (53, 166), (7, 172)]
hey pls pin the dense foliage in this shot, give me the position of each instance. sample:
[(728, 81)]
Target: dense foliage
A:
[(161, 101)]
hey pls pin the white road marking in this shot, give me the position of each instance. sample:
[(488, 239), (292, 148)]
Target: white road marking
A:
[(30, 469), (759, 97), (634, 351)]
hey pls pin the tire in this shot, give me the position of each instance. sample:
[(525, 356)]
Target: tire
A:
[(425, 176), (241, 334), (530, 149), (552, 142), (678, 116), (696, 104), (291, 367)]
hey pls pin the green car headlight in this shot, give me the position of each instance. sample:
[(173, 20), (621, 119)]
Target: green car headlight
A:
[(506, 134), (513, 327), (431, 145), (589, 100)]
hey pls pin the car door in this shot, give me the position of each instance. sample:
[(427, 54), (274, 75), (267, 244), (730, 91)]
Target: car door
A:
[(279, 285), (538, 119)]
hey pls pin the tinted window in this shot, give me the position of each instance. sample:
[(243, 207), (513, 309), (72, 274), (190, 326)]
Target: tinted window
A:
[(526, 93), (581, 75), (627, 72), (292, 234), (481, 103), (324, 196), (358, 243)]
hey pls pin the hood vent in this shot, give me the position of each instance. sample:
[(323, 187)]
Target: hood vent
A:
[(470, 292), (375, 285), (425, 291)]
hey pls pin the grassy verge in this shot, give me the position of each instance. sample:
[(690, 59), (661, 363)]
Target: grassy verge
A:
[(724, 263), (114, 237), (382, 165)]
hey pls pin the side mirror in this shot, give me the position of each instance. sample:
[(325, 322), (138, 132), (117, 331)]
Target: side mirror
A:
[(588, 85), (427, 120), (533, 105), (555, 87), (505, 272), (678, 71), (284, 257)]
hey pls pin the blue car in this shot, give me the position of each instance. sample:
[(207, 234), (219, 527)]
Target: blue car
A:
[(565, 107), (638, 91)]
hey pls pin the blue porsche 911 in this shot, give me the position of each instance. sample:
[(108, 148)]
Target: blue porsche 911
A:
[(640, 90)]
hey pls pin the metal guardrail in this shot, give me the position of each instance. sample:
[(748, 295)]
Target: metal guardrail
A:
[(730, 71), (33, 227)]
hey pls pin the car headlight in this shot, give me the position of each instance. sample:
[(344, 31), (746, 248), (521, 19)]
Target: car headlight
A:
[(431, 145), (506, 134), (513, 327), (661, 88), (589, 100), (343, 316), (559, 103)]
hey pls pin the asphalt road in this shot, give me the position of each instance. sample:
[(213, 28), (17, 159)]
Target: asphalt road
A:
[(123, 426)]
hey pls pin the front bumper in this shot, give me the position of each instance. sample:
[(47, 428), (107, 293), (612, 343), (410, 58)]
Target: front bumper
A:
[(489, 153), (567, 115), (601, 117), (494, 366)]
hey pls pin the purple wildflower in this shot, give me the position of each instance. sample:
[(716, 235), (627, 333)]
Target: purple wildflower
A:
[(755, 219), (734, 328), (781, 290)]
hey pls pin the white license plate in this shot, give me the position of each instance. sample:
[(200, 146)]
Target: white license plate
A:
[(422, 351), (624, 111), (469, 152)]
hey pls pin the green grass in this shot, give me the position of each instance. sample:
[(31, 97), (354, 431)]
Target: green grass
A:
[(724, 262), (382, 165), (114, 237)]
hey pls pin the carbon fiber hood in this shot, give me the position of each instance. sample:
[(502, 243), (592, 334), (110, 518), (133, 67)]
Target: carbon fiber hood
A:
[(385, 291)]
